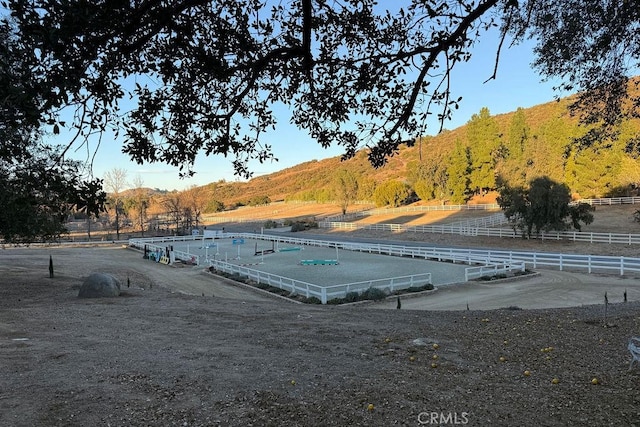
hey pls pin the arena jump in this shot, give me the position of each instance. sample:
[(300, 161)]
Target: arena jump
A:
[(318, 262)]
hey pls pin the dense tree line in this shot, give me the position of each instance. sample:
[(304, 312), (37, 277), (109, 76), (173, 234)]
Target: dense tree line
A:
[(487, 155)]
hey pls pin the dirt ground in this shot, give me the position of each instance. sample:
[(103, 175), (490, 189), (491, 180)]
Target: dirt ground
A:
[(158, 357)]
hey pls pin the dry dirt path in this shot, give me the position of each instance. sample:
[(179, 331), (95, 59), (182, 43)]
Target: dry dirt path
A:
[(126, 263), (547, 289)]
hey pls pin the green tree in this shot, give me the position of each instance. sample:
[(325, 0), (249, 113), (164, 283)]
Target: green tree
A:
[(391, 193), (458, 173), (90, 199), (37, 196), (511, 165), (428, 178), (483, 136), (204, 76), (592, 47), (262, 200), (545, 152), (543, 206), (38, 187), (593, 172), (366, 188), (345, 188), (214, 206)]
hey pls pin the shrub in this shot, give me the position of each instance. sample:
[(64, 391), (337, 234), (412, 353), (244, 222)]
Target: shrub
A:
[(298, 226), (392, 193), (303, 225), (352, 297), (374, 294), (425, 287), (270, 224)]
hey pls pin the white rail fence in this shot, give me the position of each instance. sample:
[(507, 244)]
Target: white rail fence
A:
[(577, 236), (611, 201), (483, 262), (383, 211), (589, 263), (431, 208), (574, 262), (323, 293), (487, 221)]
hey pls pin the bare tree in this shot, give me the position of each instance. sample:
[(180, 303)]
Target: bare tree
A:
[(174, 208), (195, 199), (115, 180), (346, 185), (140, 203)]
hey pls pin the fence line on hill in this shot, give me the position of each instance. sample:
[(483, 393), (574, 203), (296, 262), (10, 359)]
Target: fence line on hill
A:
[(429, 208), (576, 236)]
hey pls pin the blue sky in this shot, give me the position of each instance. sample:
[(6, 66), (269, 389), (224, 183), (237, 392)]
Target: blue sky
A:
[(516, 85)]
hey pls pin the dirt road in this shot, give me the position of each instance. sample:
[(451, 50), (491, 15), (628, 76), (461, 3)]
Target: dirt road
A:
[(125, 263)]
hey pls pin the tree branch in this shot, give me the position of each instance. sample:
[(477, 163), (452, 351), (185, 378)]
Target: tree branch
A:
[(441, 47)]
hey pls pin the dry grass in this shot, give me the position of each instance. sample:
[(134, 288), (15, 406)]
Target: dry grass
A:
[(607, 219)]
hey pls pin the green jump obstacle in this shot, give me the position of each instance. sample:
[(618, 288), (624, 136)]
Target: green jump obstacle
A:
[(290, 249), (319, 262)]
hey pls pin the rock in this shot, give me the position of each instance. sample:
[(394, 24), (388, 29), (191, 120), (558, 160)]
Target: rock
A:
[(99, 285)]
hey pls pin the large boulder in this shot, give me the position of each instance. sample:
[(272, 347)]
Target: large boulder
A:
[(99, 285)]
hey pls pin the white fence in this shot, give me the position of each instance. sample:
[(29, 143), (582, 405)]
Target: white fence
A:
[(611, 201), (588, 263), (577, 236), (483, 265), (323, 293), (493, 269), (487, 221), (431, 208), (383, 211)]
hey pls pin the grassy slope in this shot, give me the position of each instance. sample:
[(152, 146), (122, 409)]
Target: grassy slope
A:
[(318, 174)]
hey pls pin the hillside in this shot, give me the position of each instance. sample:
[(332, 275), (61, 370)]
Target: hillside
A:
[(518, 146)]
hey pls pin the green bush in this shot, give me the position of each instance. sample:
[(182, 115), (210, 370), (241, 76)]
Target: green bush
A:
[(270, 224), (391, 193), (374, 294), (303, 225), (413, 289), (312, 300), (352, 297), (298, 226)]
